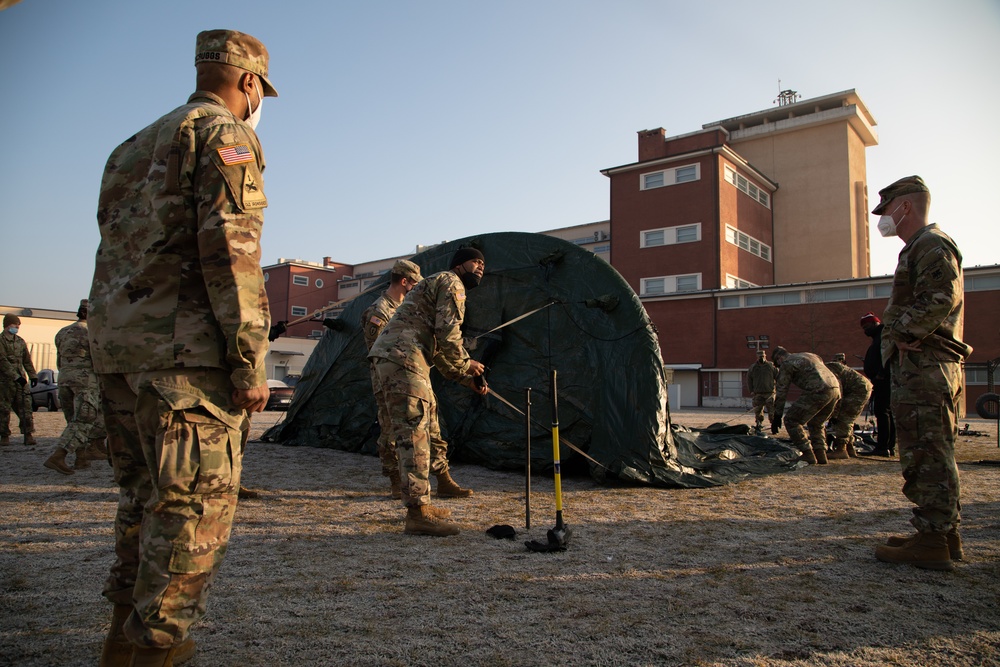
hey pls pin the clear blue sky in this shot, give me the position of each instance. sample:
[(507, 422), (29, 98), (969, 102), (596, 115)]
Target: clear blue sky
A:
[(415, 122)]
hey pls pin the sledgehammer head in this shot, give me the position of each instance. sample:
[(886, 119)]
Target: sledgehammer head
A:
[(557, 538)]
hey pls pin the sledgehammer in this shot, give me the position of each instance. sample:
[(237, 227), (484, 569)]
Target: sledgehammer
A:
[(558, 535)]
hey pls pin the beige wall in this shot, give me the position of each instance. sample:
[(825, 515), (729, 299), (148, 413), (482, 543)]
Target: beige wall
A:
[(815, 200)]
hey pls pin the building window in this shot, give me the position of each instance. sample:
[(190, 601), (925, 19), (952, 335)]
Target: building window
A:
[(300, 280), (299, 311), (729, 302), (838, 294), (651, 238), (734, 282), (319, 283), (670, 284), (674, 176), (748, 243), (779, 299), (746, 187), (882, 290), (982, 283)]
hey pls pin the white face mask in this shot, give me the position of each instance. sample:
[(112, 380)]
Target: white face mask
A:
[(886, 225), (254, 117)]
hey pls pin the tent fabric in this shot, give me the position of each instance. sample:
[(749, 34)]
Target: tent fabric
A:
[(590, 328)]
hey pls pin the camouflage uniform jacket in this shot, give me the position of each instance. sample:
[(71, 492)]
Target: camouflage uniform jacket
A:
[(926, 303), (15, 361), (376, 316), (852, 383), (807, 372), (760, 377), (178, 281), (73, 352), (427, 329)]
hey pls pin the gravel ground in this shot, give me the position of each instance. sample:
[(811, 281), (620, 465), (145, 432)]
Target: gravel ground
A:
[(771, 571)]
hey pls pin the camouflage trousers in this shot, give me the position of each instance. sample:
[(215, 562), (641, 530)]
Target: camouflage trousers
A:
[(16, 399), (845, 414), (926, 404), (413, 425), (387, 446), (810, 412), (80, 401), (176, 447), (761, 401)]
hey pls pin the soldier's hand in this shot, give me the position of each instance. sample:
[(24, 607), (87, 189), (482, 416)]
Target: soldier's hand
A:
[(475, 368), (20, 382), (479, 385), (251, 400), (277, 329)]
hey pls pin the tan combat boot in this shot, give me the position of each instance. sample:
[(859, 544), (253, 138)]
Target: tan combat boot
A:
[(57, 462), (83, 458), (820, 454), (954, 543), (853, 453), (438, 512), (163, 657), (807, 454), (29, 439), (839, 450), (925, 550), (394, 488), (420, 521), (117, 650), (98, 445), (447, 488)]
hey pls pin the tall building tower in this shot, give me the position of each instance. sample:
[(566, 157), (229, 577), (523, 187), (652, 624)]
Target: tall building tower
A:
[(815, 151)]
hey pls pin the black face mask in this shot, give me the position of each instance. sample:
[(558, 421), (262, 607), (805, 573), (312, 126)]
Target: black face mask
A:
[(871, 331), (470, 279)]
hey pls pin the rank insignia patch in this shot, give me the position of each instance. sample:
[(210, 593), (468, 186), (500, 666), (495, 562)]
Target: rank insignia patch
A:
[(237, 154)]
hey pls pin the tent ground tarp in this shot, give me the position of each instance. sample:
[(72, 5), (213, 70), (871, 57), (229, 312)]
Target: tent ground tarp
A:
[(589, 326)]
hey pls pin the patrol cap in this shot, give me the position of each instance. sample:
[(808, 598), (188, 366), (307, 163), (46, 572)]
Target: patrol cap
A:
[(237, 49), (840, 356), (904, 186), (407, 269), (10, 318)]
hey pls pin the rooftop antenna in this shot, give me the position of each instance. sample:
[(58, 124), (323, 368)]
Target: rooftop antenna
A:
[(786, 96)]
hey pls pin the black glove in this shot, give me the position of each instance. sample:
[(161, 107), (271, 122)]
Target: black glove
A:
[(334, 324), (776, 424), (21, 382), (34, 382), (277, 329)]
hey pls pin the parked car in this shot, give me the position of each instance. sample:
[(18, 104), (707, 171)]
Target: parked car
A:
[(281, 395), (45, 394)]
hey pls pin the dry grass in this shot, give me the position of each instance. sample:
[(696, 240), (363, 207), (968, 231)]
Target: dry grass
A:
[(774, 571)]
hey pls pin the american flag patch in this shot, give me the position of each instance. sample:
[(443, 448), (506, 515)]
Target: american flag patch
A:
[(237, 154), (376, 320)]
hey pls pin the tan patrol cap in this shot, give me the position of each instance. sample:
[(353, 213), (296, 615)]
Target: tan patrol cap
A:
[(904, 186), (407, 269), (237, 49)]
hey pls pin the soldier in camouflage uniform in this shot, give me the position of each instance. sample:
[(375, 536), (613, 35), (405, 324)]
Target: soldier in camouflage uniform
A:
[(178, 327), (855, 390), (820, 393), (79, 396), (16, 371), (760, 383), (425, 332), (405, 276), (922, 343)]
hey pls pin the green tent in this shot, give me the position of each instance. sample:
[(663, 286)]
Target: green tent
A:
[(587, 325)]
